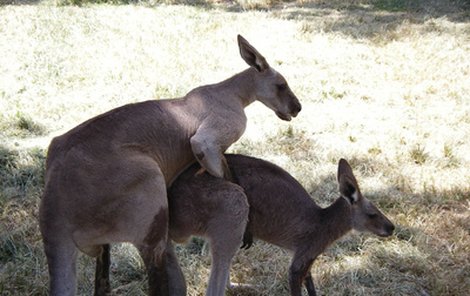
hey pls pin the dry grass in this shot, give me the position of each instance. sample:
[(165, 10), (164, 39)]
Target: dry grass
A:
[(383, 83)]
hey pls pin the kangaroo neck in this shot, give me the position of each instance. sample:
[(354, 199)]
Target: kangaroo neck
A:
[(240, 87), (337, 220)]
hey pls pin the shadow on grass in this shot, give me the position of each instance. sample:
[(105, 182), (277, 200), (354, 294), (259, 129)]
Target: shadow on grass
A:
[(21, 255), (21, 171), (457, 10), (411, 262), (208, 4), (398, 270), (381, 20), (18, 2), (427, 254)]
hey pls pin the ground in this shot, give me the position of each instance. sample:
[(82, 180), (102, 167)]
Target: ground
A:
[(384, 84)]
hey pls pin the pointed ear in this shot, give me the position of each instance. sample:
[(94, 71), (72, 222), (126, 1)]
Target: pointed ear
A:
[(251, 56), (348, 187)]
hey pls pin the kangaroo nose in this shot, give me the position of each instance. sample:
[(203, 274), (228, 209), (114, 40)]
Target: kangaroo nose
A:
[(296, 108), (299, 107)]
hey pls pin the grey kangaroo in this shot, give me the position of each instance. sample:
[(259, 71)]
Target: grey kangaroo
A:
[(281, 212), (106, 179)]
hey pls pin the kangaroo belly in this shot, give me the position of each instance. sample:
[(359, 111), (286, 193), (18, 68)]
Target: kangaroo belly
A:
[(109, 199)]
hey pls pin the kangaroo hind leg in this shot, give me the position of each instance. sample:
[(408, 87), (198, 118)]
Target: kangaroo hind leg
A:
[(61, 258), (225, 232)]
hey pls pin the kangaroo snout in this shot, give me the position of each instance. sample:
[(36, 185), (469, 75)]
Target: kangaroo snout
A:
[(389, 228), (296, 107)]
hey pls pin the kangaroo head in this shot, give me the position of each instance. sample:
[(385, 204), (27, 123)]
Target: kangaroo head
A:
[(366, 217), (271, 88)]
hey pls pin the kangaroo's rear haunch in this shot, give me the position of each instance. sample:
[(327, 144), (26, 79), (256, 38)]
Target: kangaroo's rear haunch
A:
[(106, 179), (281, 212)]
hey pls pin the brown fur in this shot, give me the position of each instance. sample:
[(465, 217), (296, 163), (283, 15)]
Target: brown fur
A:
[(281, 212), (106, 179)]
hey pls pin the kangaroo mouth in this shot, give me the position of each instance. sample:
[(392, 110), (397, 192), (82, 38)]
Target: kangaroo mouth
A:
[(293, 112), (384, 234), (284, 116)]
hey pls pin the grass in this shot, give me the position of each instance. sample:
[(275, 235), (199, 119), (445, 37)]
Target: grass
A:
[(382, 83)]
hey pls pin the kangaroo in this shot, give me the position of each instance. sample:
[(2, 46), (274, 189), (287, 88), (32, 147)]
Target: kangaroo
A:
[(106, 179), (281, 212)]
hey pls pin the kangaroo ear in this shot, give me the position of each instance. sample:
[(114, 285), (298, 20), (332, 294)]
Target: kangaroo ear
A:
[(348, 187), (251, 56)]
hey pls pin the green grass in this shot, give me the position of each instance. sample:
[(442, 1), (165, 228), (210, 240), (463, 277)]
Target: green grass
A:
[(382, 83)]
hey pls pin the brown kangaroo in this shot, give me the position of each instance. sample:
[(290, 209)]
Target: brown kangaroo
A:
[(281, 212), (106, 179)]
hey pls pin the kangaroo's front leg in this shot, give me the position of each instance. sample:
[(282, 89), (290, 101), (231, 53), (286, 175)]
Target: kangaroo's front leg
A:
[(298, 272), (210, 157), (208, 145), (103, 262), (247, 240), (176, 281)]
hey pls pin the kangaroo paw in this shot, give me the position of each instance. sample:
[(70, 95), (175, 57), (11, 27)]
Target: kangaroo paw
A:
[(247, 240)]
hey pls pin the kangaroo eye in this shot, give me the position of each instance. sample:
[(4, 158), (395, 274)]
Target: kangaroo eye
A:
[(281, 86), (372, 216)]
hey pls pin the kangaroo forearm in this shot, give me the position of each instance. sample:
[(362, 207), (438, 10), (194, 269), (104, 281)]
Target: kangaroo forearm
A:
[(210, 156)]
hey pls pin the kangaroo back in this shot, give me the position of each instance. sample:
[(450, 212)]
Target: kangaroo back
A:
[(270, 189)]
